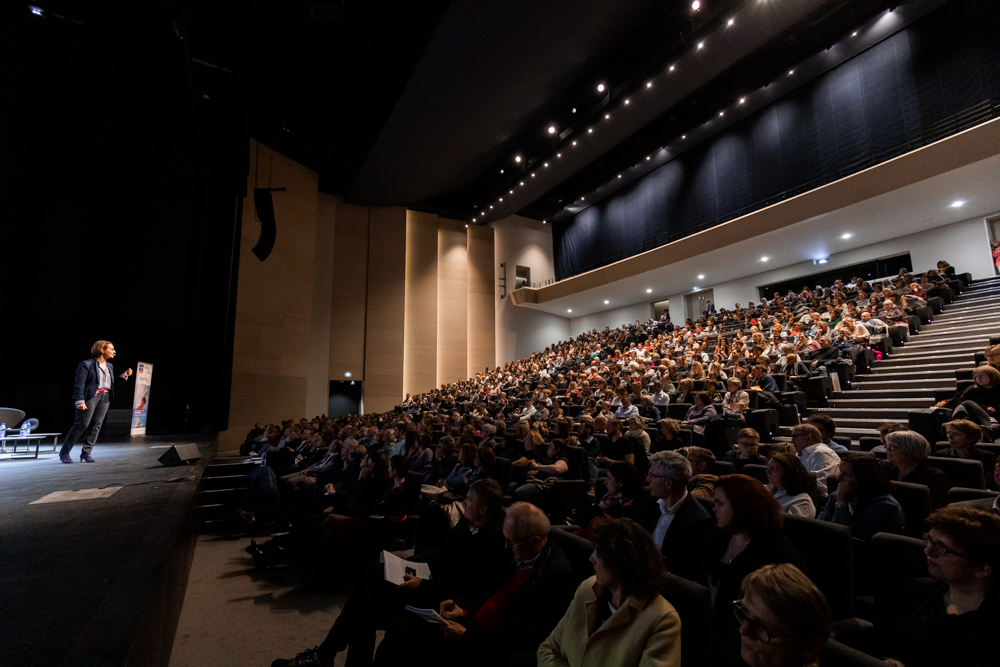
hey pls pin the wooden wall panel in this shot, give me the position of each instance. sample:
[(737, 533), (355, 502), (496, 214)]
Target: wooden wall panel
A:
[(453, 299), (386, 301), (482, 296), (350, 277), (421, 303), (274, 299)]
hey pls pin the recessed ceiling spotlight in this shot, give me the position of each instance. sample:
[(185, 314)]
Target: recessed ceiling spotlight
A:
[(791, 72), (649, 84), (854, 34), (582, 198), (619, 175), (590, 130), (626, 101), (607, 116), (730, 21), (501, 171), (569, 310), (522, 182), (466, 226), (517, 158), (574, 110), (701, 45), (600, 87), (501, 198), (649, 290), (684, 136), (671, 68), (546, 164), (544, 221), (558, 154), (764, 259), (552, 129), (722, 113), (574, 143), (532, 174), (846, 236), (701, 276), (606, 302), (696, 5), (742, 100), (512, 192), (647, 157), (491, 205), (957, 203)]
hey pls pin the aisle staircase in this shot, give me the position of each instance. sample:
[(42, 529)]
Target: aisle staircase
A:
[(924, 370)]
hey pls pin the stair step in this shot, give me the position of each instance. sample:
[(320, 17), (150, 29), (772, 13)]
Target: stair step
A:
[(224, 469), (866, 393), (970, 346), (953, 318), (847, 416), (222, 482), (883, 368), (957, 332), (878, 403), (933, 383), (867, 422), (911, 373), (894, 361)]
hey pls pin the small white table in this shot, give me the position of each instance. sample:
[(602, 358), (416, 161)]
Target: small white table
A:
[(15, 440)]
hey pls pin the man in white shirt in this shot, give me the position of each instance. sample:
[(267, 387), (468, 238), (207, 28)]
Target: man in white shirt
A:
[(817, 458), (660, 397), (626, 410)]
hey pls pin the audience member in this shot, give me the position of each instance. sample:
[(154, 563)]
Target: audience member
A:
[(747, 444), (702, 482), (907, 453), (864, 500), (817, 458), (827, 429), (791, 485), (618, 616)]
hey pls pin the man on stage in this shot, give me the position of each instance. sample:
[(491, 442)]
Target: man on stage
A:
[(92, 393)]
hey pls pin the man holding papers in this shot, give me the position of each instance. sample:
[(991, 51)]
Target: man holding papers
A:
[(473, 552)]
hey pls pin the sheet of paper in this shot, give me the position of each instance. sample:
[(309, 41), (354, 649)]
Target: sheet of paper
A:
[(396, 568), (428, 615)]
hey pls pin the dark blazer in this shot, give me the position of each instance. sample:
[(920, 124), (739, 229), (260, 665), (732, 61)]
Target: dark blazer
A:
[(931, 477), (87, 380), (687, 538), (465, 562), (531, 614)]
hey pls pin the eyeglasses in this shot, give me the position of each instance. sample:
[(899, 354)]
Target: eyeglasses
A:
[(759, 630), (652, 474), (939, 549)]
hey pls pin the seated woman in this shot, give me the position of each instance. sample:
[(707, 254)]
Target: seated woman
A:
[(465, 471), (685, 391), (784, 619), (979, 401), (791, 485), (906, 453), (962, 438), (541, 473), (624, 497), (668, 437), (749, 535), (636, 429), (699, 414), (422, 460), (864, 500), (647, 410), (952, 619), (618, 616)]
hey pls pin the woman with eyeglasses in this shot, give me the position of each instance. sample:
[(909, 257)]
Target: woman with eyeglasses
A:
[(749, 535), (953, 618), (784, 619), (906, 453)]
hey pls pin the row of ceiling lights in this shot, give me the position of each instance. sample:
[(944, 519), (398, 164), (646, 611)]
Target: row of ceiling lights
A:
[(601, 87)]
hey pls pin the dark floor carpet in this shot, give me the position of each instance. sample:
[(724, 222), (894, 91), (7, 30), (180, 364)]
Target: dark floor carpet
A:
[(81, 581)]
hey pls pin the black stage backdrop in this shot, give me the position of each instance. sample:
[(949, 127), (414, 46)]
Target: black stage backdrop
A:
[(938, 77), (119, 190)]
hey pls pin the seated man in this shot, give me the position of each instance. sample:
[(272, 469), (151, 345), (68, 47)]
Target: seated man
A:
[(502, 620), (678, 522), (817, 458), (827, 429), (702, 482), (822, 357), (473, 552), (736, 401), (747, 442), (617, 446), (760, 379), (626, 409)]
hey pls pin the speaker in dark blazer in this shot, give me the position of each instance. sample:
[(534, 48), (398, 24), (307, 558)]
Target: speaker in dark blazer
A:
[(180, 455)]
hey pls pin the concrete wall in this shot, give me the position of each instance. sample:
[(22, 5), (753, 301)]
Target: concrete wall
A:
[(521, 330), (964, 244), (612, 318)]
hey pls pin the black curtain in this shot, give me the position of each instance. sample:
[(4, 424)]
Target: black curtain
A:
[(938, 77)]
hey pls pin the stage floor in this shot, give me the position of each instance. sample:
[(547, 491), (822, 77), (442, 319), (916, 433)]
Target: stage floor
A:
[(86, 574)]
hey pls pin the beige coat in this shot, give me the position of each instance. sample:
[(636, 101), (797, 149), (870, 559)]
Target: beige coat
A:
[(643, 633)]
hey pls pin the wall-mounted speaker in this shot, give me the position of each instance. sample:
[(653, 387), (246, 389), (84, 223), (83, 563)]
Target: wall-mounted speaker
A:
[(265, 214)]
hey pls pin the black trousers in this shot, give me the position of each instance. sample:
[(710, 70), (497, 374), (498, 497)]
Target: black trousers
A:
[(88, 423)]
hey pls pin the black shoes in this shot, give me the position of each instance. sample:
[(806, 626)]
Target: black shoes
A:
[(308, 658), (86, 458)]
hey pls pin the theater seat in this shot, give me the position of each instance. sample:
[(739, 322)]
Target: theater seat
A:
[(961, 472), (915, 499), (723, 468), (577, 550), (957, 494), (756, 471), (829, 555), (866, 443), (693, 603), (835, 654), (896, 560)]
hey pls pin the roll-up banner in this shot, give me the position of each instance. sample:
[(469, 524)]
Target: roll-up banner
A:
[(140, 401)]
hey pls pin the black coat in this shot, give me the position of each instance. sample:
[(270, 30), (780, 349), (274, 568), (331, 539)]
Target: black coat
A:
[(465, 561), (684, 545)]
